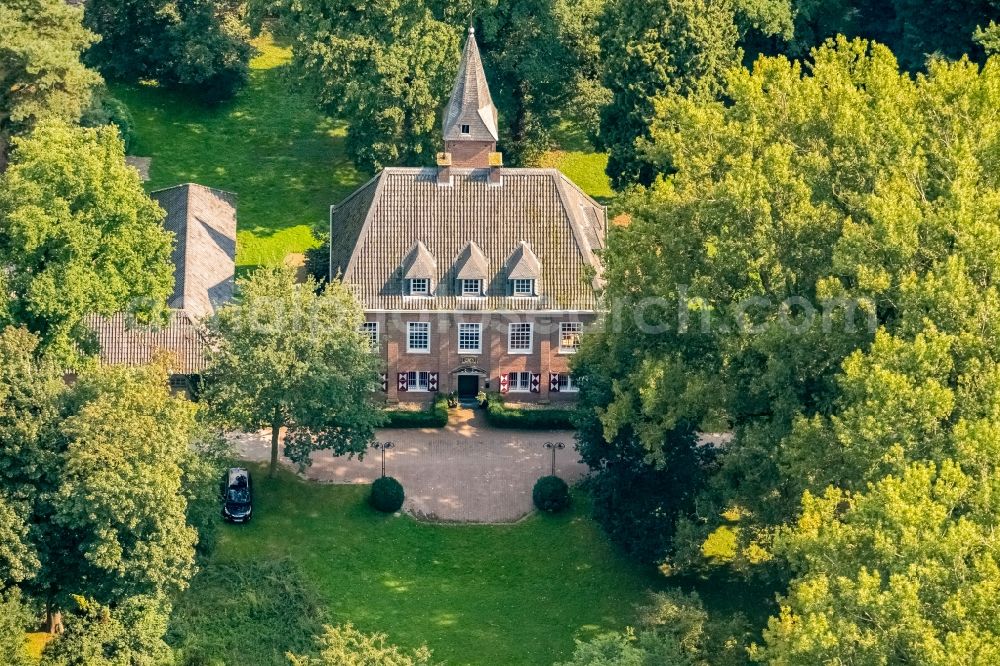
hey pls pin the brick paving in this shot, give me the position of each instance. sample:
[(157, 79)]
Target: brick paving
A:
[(466, 472)]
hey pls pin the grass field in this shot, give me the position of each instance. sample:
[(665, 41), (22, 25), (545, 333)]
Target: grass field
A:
[(270, 146), (511, 594)]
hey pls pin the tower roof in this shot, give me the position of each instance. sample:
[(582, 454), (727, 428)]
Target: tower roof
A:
[(470, 103)]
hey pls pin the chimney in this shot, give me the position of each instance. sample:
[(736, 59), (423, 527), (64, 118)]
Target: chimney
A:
[(444, 178), (496, 163)]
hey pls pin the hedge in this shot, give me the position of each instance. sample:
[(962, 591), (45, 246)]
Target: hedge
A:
[(435, 416), (499, 415), (387, 495), (550, 494)]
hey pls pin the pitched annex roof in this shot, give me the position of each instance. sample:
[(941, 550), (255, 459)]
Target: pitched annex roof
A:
[(470, 103), (380, 223), (419, 263), (472, 263), (204, 223)]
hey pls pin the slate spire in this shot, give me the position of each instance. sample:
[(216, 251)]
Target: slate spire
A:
[(470, 119)]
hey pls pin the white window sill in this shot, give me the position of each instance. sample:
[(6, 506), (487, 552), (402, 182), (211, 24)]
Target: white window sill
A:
[(568, 351), (519, 352), (416, 390), (471, 352), (567, 391), (518, 390), (418, 351)]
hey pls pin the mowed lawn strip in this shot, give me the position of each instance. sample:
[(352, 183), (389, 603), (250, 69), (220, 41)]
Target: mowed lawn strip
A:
[(479, 594), (270, 146)]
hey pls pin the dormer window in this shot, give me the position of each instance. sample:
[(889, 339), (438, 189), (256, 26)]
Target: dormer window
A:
[(420, 287), (466, 129), (470, 287), (523, 287)]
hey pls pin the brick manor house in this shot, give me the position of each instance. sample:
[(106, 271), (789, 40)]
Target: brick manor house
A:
[(472, 276)]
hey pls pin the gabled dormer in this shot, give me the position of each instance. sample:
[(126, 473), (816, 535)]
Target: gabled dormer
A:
[(471, 272), (523, 272), (418, 271)]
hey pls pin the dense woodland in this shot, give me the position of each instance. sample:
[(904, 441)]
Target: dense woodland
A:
[(806, 235)]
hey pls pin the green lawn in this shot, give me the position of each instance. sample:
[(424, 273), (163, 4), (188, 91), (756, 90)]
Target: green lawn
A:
[(269, 145), (511, 594), (284, 159)]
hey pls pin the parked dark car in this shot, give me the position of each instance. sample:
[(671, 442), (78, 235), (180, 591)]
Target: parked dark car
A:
[(237, 495)]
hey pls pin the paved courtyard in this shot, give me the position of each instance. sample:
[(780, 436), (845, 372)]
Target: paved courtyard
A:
[(466, 472)]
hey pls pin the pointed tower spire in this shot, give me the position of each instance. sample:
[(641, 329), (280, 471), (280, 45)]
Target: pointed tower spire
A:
[(470, 119)]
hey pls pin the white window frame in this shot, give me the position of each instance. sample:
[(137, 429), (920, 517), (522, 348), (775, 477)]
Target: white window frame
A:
[(517, 287), (567, 327), (465, 129), (566, 384), (370, 328), (475, 292), (411, 328), (425, 282), (418, 381), (519, 382), (510, 338), (478, 349)]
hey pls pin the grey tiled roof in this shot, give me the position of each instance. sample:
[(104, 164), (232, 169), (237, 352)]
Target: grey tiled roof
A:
[(470, 103), (204, 223), (419, 263), (375, 229), (472, 263), (523, 264), (122, 344)]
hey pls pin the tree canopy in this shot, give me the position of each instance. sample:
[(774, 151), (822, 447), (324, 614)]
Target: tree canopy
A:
[(287, 356), (41, 76), (78, 235)]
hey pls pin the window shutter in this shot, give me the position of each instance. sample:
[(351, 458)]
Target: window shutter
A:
[(553, 382), (384, 380), (401, 382), (536, 383), (504, 383), (432, 381)]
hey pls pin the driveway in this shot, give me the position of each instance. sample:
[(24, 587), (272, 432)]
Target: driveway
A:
[(466, 472)]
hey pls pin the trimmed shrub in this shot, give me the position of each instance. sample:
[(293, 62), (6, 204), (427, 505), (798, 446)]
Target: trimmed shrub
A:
[(551, 494), (387, 495), (435, 416), (499, 415)]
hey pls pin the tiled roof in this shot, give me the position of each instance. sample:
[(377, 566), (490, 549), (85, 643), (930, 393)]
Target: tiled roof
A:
[(419, 263), (470, 103), (472, 263), (204, 223), (124, 345), (523, 264), (375, 229)]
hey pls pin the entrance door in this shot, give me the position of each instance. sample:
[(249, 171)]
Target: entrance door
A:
[(468, 386)]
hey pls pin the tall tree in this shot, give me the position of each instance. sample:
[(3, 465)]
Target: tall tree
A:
[(78, 235), (815, 206), (201, 46), (386, 67), (41, 76), (289, 356), (651, 49), (15, 621)]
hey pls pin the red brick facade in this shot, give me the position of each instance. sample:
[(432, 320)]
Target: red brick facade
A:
[(492, 361), (471, 154)]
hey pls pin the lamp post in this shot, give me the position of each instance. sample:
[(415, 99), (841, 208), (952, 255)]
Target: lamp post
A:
[(554, 446), (383, 447)]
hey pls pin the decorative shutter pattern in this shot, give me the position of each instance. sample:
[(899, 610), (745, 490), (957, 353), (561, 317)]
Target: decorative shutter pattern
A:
[(432, 381), (536, 383), (401, 382), (504, 383), (554, 382), (384, 380)]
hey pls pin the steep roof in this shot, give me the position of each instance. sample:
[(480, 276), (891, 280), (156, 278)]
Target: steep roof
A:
[(375, 228), (419, 263), (125, 344), (523, 264), (472, 263), (204, 223), (470, 103)]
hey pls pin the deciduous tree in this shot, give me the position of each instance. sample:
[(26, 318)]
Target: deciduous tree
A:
[(289, 356), (346, 646), (78, 235)]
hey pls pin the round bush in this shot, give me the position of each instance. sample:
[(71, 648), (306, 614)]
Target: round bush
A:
[(387, 494), (551, 494)]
